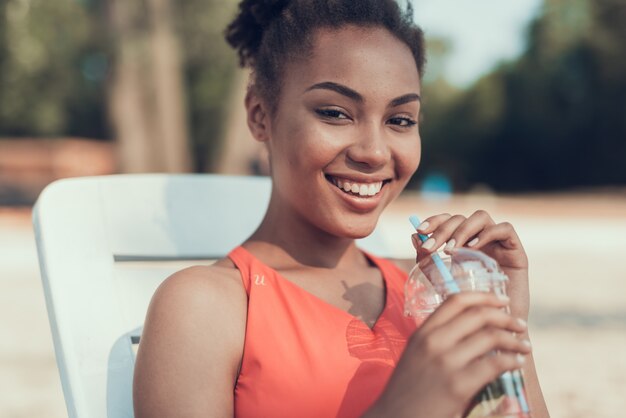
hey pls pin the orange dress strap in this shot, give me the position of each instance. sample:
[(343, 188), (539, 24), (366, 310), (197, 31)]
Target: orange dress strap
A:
[(241, 258), (304, 357)]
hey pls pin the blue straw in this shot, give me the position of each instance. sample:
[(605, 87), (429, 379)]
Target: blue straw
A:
[(448, 280)]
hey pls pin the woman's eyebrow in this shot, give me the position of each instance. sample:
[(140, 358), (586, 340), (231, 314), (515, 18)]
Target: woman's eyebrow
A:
[(411, 97), (338, 88), (357, 97)]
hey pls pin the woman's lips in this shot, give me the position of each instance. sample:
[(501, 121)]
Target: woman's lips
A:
[(357, 187)]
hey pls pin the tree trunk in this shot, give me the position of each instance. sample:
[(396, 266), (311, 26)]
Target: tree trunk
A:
[(146, 96), (240, 153)]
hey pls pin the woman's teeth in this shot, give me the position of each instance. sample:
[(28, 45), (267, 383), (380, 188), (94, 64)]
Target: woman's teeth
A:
[(361, 189)]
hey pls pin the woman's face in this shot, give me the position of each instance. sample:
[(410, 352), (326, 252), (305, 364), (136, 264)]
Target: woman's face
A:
[(344, 141)]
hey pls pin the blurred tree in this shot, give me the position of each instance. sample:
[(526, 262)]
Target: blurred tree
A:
[(153, 74), (554, 118), (146, 104), (210, 75), (168, 103), (3, 33), (52, 68), (438, 95)]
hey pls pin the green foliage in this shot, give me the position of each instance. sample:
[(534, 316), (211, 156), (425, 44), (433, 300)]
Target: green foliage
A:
[(49, 83), (209, 71), (56, 56), (555, 118)]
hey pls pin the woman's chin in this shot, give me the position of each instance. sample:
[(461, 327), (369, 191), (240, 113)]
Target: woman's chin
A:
[(358, 231)]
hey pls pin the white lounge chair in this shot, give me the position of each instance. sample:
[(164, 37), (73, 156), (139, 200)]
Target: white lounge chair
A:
[(106, 243)]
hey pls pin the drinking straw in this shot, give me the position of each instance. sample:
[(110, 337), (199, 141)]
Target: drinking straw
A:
[(448, 281)]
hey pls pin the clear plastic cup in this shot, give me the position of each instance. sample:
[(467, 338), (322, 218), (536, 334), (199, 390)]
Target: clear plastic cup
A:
[(438, 277)]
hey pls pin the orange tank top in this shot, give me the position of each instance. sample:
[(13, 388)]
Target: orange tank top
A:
[(304, 357)]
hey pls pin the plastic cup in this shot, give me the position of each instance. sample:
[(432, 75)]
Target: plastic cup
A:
[(430, 284)]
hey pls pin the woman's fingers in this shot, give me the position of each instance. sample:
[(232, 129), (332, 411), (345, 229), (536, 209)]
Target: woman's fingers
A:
[(488, 353), (457, 304), (440, 228), (455, 231), (467, 232), (502, 243), (476, 375), (474, 231), (472, 321), (432, 223), (478, 231), (503, 232), (455, 323), (489, 340), (425, 228)]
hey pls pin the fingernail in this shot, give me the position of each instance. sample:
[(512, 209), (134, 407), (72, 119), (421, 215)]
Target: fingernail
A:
[(450, 245), (423, 226), (526, 343), (473, 242), (430, 243), (520, 359), (522, 322)]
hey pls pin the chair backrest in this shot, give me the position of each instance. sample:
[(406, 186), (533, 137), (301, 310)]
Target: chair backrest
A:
[(106, 243)]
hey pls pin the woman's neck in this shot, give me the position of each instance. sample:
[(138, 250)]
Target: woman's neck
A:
[(289, 242)]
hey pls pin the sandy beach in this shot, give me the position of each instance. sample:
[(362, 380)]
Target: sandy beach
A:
[(576, 244)]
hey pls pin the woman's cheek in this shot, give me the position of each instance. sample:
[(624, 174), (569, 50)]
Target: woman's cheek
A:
[(408, 157)]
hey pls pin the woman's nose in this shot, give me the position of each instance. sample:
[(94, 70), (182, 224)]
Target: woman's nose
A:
[(370, 147)]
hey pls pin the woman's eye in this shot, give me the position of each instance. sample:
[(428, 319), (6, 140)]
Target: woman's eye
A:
[(403, 122), (331, 113)]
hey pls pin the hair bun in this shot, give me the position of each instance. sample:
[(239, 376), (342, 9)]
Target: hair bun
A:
[(246, 31), (265, 12)]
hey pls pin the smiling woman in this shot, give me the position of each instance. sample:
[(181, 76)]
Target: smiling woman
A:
[(297, 321), (332, 123)]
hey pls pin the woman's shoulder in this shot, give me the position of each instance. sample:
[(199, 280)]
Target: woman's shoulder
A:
[(203, 285), (194, 306), (211, 297)]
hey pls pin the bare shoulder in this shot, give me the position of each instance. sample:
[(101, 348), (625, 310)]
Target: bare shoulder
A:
[(199, 294), (200, 298), (219, 283), (192, 343)]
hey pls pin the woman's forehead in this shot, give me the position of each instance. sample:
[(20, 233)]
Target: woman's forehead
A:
[(358, 57)]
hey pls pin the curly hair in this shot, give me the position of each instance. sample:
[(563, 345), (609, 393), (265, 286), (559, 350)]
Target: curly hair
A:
[(269, 33)]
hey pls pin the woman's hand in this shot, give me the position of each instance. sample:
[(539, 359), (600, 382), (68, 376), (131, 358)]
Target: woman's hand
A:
[(480, 232), (447, 360)]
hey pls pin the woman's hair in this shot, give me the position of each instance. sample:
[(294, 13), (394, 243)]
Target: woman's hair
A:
[(269, 33)]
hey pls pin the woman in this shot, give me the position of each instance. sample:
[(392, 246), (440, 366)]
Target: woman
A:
[(298, 321)]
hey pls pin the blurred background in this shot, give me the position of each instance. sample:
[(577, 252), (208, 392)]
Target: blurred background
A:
[(524, 115)]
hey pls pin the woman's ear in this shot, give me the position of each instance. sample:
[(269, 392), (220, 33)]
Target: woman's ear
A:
[(258, 116)]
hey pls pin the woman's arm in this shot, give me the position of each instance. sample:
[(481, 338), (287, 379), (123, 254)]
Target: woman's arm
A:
[(191, 345)]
